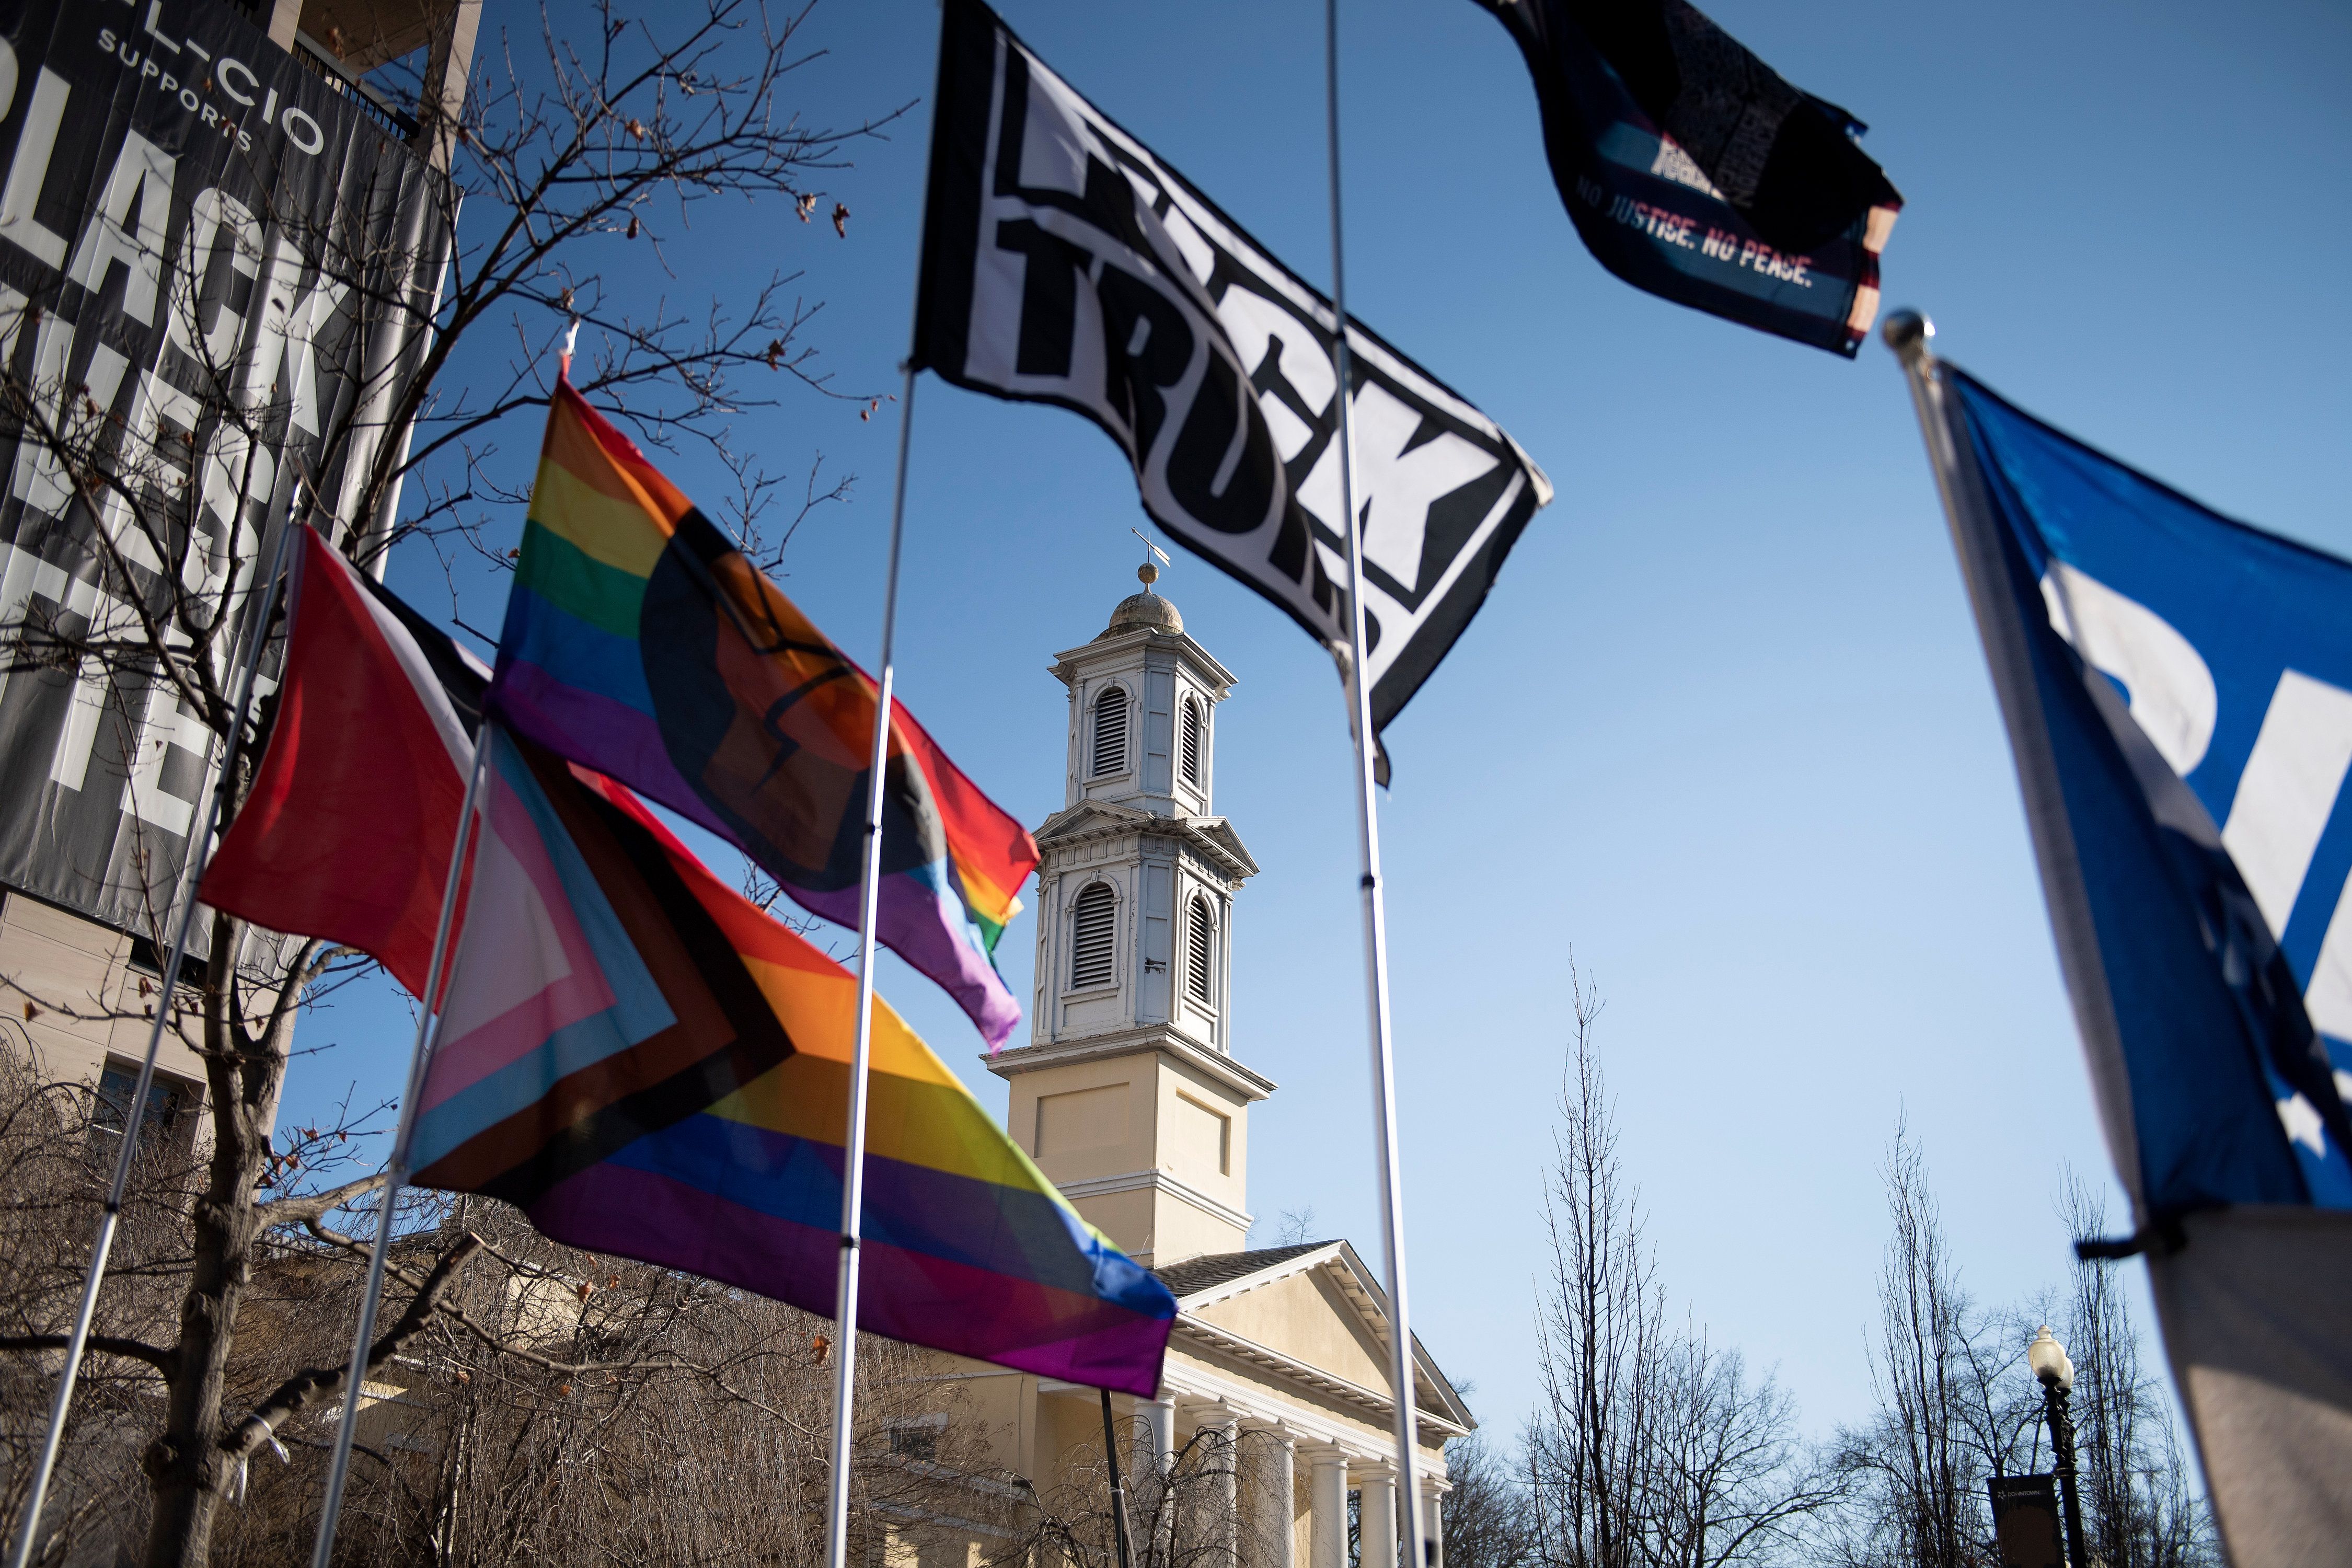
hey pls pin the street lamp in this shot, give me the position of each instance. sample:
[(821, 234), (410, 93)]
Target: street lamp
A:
[(2055, 1370)]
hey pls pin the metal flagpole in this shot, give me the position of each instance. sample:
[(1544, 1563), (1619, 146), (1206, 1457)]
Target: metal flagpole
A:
[(110, 1220), (1118, 1492), (396, 1174), (1367, 838), (396, 1171), (869, 888)]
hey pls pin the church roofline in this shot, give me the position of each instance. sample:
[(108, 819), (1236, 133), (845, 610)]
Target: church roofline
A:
[(1226, 1275), (1196, 1335), (1215, 1065)]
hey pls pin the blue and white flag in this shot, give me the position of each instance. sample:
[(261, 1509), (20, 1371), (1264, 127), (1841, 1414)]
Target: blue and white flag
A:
[(2178, 690)]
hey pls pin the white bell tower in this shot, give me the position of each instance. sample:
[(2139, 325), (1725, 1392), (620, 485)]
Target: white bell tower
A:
[(1128, 1095)]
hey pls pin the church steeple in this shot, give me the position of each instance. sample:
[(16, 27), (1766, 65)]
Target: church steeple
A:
[(1128, 1095), (1143, 698)]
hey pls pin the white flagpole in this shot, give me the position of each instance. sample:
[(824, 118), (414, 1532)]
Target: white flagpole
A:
[(110, 1220), (1367, 838), (853, 1166), (396, 1174)]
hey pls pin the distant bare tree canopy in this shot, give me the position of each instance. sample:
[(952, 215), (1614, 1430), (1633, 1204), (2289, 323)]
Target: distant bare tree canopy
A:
[(1652, 1446), (1957, 1403), (2138, 1508)]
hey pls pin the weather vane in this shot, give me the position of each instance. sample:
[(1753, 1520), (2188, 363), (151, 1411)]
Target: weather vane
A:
[(1148, 574)]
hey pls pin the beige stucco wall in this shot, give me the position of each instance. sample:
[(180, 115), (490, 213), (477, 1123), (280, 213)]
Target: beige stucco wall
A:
[(1307, 1318), (63, 965), (1098, 1120), (1084, 1119)]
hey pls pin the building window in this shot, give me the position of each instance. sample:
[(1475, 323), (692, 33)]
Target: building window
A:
[(1193, 727), (168, 1102), (1110, 734), (1093, 932), (1201, 951), (918, 1439)]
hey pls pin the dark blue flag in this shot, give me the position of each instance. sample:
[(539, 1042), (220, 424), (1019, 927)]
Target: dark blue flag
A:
[(2163, 669), (1693, 171)]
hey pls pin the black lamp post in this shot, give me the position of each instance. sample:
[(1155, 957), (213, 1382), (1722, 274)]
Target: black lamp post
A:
[(2056, 1370)]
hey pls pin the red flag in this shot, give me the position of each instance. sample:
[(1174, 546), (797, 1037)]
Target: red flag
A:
[(349, 827)]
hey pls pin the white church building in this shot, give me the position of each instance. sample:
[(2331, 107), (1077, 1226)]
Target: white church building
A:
[(1130, 1098)]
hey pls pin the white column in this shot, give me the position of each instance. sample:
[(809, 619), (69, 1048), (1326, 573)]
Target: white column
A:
[(1376, 1518), (1160, 1429), (1229, 1477), (1328, 1497), (1432, 1521), (1274, 1525), (1159, 1424)]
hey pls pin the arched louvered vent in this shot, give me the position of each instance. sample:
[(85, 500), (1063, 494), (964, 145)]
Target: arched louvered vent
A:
[(1110, 734), (1201, 949), (1193, 727), (1092, 938)]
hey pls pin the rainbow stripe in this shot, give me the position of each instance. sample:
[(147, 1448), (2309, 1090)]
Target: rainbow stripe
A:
[(640, 643), (651, 1067)]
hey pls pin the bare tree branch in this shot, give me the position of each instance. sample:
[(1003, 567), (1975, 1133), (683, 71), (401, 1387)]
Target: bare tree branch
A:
[(314, 1384)]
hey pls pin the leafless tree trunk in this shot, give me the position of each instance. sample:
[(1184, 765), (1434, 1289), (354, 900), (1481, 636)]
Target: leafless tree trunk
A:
[(1601, 1328), (1647, 1447)]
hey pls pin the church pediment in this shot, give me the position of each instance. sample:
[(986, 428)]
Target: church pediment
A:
[(1312, 1314), (1212, 837), (1090, 817), (1219, 832)]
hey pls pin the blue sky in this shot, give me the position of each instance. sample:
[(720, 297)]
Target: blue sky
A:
[(1723, 730)]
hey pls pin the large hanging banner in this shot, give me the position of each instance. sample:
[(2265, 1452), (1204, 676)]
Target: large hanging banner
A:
[(217, 273), (1063, 262)]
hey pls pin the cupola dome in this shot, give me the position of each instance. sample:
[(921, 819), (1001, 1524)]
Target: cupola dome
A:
[(1146, 611)]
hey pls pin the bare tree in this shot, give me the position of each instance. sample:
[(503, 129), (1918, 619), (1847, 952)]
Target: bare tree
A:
[(1728, 1478), (569, 1407), (530, 1400), (588, 139), (1489, 1520), (1955, 1404), (1647, 1447), (1201, 1510), (1600, 1329), (2139, 1509), (57, 1143)]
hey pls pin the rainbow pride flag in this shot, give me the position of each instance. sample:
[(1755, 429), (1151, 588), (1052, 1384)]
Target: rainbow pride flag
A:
[(649, 1066), (640, 643)]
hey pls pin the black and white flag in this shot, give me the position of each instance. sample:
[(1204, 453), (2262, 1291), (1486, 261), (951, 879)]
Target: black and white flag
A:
[(1063, 262)]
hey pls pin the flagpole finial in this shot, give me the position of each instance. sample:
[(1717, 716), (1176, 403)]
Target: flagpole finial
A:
[(1907, 333), (571, 338)]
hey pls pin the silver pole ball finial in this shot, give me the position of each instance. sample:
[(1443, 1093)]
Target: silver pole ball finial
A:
[(1907, 334)]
